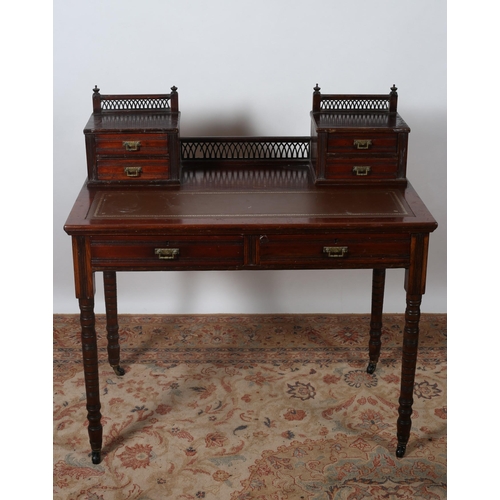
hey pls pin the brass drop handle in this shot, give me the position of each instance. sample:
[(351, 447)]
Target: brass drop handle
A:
[(167, 253), (335, 252), (361, 170), (132, 145), (362, 143), (133, 171)]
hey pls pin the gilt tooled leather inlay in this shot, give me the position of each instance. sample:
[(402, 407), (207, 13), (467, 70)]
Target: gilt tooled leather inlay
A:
[(216, 204)]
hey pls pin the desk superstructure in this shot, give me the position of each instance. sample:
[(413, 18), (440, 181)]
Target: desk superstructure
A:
[(337, 199)]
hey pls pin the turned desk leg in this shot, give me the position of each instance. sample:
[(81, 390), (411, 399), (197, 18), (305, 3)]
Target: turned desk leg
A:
[(378, 284), (112, 321), (415, 287), (84, 287), (91, 373), (409, 364)]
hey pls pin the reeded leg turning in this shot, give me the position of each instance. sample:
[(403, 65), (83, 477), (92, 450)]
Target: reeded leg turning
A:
[(91, 373), (410, 347), (112, 322), (378, 284)]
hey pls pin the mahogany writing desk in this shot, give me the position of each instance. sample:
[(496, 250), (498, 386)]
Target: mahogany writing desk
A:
[(156, 202)]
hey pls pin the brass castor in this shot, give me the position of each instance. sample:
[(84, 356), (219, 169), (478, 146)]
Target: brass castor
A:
[(96, 457), (118, 370), (400, 450)]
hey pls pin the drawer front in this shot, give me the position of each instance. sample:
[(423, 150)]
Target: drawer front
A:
[(362, 143), (361, 168), (334, 251), (124, 169), (130, 144), (176, 252)]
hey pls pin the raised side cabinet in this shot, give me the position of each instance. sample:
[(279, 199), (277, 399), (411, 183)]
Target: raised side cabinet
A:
[(133, 139), (358, 139)]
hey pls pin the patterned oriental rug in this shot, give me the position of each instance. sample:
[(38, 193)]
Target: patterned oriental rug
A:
[(250, 407)]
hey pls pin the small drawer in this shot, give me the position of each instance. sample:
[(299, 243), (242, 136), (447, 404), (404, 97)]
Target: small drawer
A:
[(334, 251), (176, 252), (132, 169), (361, 169), (131, 144), (362, 143)]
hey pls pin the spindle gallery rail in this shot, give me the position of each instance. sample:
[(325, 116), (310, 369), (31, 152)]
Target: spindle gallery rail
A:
[(355, 102), (245, 148), (130, 102)]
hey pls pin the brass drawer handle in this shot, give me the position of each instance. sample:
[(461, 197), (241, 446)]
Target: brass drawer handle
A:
[(362, 143), (133, 171), (361, 170), (335, 252), (167, 253), (132, 145)]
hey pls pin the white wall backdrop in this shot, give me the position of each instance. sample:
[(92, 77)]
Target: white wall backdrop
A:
[(249, 67)]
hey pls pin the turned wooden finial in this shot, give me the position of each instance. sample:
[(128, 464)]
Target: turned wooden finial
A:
[(393, 99), (316, 98), (174, 99), (96, 100)]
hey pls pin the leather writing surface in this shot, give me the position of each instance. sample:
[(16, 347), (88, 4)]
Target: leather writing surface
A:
[(221, 204)]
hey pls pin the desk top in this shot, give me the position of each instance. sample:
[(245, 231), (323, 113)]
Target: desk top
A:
[(270, 198)]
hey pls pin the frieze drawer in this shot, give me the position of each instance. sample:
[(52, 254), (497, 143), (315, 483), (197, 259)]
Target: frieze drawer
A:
[(334, 251), (175, 252)]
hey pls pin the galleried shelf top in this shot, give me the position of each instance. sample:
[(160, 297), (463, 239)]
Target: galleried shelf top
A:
[(351, 170)]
